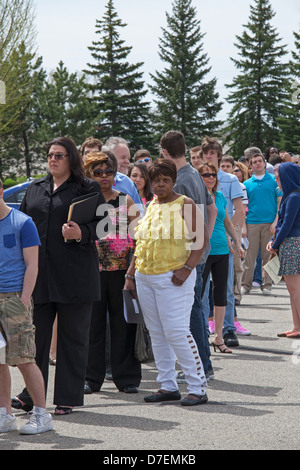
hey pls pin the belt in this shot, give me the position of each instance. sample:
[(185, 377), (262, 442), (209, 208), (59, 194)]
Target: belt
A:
[(6, 295)]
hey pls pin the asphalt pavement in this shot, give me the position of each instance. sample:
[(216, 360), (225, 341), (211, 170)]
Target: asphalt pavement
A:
[(253, 402)]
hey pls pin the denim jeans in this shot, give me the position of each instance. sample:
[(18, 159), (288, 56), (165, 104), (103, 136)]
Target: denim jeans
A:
[(198, 323), (229, 311)]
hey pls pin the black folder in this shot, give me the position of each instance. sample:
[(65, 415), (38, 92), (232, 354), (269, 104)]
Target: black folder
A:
[(82, 209), (132, 309)]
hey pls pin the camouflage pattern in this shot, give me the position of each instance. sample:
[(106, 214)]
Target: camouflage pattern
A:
[(17, 329)]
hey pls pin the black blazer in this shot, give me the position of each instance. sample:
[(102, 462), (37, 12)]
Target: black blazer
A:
[(68, 272)]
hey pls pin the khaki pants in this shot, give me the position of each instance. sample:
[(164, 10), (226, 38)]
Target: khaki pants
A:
[(238, 268), (258, 236)]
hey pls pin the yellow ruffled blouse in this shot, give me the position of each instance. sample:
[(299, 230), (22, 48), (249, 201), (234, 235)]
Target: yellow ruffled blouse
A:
[(162, 238)]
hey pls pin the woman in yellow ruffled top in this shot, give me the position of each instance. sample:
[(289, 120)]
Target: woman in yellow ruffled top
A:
[(170, 240)]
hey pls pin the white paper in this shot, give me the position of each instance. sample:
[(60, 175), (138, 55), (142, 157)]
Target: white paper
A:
[(2, 341)]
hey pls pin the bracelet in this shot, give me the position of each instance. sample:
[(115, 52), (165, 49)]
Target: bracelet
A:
[(188, 267), (129, 276)]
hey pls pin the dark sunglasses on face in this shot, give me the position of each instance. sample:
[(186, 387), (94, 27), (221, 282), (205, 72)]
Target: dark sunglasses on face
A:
[(237, 170), (99, 172), (144, 160), (56, 156), (209, 175)]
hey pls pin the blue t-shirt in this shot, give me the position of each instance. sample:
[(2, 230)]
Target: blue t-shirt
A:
[(218, 240), (17, 231), (262, 196), (230, 187)]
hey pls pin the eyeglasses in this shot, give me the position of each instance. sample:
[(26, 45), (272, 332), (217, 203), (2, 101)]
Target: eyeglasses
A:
[(56, 156), (99, 172), (144, 160), (209, 175)]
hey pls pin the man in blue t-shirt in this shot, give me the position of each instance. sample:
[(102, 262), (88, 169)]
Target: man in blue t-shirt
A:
[(264, 198), (19, 244)]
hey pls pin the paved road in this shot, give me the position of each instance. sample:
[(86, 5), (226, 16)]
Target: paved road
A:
[(253, 401)]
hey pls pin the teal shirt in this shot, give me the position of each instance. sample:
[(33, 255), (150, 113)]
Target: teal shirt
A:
[(218, 240), (262, 195)]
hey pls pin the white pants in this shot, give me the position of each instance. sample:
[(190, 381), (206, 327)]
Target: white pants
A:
[(167, 309)]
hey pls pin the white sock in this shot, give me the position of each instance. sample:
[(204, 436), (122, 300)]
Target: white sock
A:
[(38, 410)]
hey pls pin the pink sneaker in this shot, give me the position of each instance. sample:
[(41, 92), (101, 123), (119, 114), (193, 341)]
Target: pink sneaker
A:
[(240, 330), (211, 326)]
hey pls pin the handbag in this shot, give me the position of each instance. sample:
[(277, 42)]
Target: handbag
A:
[(143, 348)]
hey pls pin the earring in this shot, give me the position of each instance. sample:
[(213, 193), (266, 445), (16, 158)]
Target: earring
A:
[(114, 183)]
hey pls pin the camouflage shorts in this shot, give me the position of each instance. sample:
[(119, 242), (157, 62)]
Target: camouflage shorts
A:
[(17, 329)]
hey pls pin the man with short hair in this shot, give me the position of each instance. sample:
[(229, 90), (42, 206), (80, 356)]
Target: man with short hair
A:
[(19, 243), (120, 148), (143, 156), (196, 160), (90, 145), (190, 183), (211, 151), (264, 198)]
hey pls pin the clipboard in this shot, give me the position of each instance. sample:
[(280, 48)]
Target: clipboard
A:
[(132, 309), (82, 209), (272, 268)]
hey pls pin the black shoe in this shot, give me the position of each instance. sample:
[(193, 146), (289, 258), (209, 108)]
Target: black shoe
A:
[(130, 389), (162, 396), (230, 339), (88, 390), (17, 404), (193, 399)]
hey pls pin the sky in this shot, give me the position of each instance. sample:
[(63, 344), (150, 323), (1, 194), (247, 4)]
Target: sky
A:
[(66, 28)]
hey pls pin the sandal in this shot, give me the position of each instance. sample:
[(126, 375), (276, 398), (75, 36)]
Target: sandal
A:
[(63, 410), (225, 350)]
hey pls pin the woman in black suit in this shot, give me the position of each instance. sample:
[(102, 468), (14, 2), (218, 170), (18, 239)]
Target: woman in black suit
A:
[(67, 282)]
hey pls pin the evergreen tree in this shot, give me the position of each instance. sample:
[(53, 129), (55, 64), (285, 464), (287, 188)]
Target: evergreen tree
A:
[(62, 107), (14, 115), (118, 91), (289, 139), (258, 93), (186, 99)]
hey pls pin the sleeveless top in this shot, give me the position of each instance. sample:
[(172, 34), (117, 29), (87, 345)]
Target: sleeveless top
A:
[(116, 247), (162, 239)]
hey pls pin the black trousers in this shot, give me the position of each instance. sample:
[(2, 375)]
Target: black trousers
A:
[(218, 266), (72, 349), (126, 370)]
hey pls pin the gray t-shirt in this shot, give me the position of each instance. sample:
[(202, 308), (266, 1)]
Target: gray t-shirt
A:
[(190, 183)]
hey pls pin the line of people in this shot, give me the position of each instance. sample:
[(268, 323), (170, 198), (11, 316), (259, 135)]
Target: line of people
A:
[(168, 265)]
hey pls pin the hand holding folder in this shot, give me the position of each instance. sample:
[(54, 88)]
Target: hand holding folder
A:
[(82, 209)]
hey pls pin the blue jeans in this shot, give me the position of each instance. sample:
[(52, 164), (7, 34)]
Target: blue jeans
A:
[(229, 311), (257, 276), (198, 323)]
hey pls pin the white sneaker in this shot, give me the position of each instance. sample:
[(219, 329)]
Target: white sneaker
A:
[(266, 292), (245, 291), (37, 424), (7, 422)]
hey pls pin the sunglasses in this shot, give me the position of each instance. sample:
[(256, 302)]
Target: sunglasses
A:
[(209, 175), (236, 171), (144, 160), (99, 172), (56, 156)]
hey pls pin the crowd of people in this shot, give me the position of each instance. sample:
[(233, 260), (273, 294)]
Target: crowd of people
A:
[(188, 240)]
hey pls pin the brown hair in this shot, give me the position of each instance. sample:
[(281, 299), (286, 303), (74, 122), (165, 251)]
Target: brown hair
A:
[(211, 166), (163, 166), (144, 170), (174, 143), (141, 153), (211, 143), (91, 142)]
